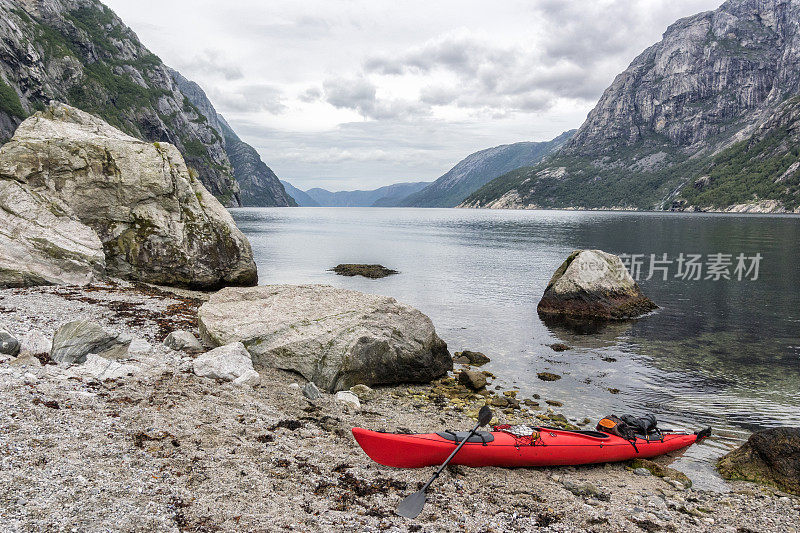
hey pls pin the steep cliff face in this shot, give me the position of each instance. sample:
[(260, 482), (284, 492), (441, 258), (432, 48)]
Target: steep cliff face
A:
[(259, 185), (479, 168), (81, 53), (714, 80), (302, 199)]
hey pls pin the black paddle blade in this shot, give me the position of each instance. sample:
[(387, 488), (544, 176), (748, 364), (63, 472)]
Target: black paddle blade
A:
[(412, 505), (484, 415)]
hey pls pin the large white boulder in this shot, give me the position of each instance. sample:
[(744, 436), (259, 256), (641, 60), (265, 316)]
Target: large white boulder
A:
[(593, 284), (336, 338), (155, 220)]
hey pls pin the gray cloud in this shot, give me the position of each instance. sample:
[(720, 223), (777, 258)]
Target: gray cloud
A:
[(360, 94), (248, 98), (211, 62)]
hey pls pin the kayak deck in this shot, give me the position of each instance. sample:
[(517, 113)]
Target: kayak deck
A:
[(553, 447)]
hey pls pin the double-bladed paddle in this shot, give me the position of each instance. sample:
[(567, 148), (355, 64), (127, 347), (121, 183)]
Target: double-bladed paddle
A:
[(412, 505)]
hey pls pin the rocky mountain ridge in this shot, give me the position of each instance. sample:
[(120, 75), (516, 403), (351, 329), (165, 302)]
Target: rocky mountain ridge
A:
[(386, 196), (260, 187), (79, 52), (477, 169), (715, 80)]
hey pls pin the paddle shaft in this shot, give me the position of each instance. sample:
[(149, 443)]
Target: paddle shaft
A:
[(441, 468)]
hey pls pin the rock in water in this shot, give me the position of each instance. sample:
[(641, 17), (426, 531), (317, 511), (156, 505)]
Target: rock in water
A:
[(367, 271), (468, 357), (155, 220), (592, 284), (231, 362), (9, 345), (770, 456), (75, 340), (183, 340), (334, 337)]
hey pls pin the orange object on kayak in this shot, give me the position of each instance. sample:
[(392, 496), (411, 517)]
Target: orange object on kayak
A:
[(500, 448)]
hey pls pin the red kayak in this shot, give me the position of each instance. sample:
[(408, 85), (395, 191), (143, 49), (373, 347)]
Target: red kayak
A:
[(500, 448)]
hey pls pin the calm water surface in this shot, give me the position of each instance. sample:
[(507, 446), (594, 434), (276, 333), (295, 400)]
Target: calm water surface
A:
[(723, 353)]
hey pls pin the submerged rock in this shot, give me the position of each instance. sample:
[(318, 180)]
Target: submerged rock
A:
[(75, 340), (548, 376), (368, 271), (334, 337), (183, 341), (770, 456), (76, 182), (468, 357), (592, 284), (9, 345)]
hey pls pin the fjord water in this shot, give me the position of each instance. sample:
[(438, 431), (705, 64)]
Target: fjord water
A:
[(724, 353)]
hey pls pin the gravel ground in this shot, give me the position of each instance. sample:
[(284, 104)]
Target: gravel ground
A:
[(164, 450)]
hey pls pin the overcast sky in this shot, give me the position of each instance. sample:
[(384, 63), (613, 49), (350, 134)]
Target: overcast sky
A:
[(364, 93)]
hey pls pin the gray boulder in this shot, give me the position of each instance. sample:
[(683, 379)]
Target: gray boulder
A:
[(183, 341), (334, 337), (231, 362), (75, 340), (9, 345), (593, 284), (770, 456), (363, 392), (155, 220)]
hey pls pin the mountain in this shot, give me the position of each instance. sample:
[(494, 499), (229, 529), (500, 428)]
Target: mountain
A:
[(701, 120), (260, 187), (302, 199), (383, 197), (479, 168), (79, 52)]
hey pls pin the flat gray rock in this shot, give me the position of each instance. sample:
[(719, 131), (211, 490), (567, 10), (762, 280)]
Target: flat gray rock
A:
[(75, 340), (336, 338)]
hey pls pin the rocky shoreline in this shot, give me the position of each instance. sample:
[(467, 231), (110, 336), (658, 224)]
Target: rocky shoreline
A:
[(162, 449)]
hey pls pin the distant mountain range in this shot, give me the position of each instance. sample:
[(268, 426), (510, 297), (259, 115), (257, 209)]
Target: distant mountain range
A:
[(706, 119), (381, 197), (479, 168), (447, 191)]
